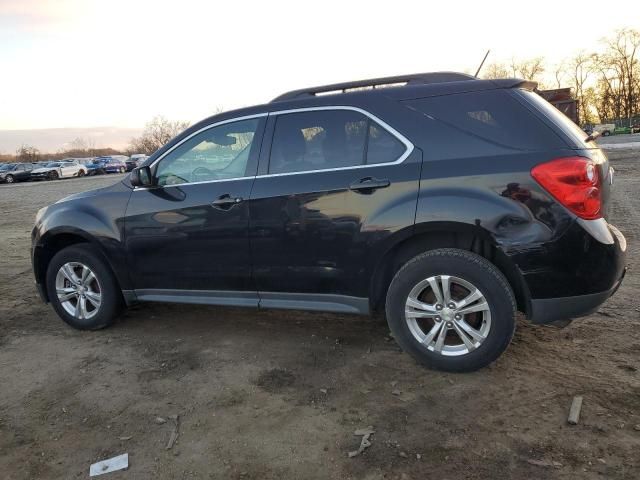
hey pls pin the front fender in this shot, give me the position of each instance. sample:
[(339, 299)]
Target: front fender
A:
[(94, 217)]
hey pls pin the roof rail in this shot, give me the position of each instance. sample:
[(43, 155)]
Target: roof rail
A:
[(413, 79)]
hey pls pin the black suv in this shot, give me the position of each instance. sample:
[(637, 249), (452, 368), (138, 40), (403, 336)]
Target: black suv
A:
[(445, 201)]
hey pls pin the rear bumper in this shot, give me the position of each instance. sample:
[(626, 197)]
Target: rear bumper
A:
[(550, 310), (602, 265)]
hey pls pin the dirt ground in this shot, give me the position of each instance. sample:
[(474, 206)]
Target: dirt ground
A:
[(278, 394)]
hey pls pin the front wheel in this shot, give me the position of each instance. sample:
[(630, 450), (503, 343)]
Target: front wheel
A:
[(9, 179), (81, 173), (451, 310), (53, 175), (123, 170), (82, 289)]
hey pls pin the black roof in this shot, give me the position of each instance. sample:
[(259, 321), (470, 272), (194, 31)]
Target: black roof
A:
[(431, 83)]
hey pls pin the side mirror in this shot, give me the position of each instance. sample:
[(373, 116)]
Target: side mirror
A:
[(141, 177)]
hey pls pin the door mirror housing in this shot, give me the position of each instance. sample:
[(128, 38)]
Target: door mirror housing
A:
[(141, 177)]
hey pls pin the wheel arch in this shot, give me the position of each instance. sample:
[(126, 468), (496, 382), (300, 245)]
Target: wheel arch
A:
[(433, 235), (56, 240)]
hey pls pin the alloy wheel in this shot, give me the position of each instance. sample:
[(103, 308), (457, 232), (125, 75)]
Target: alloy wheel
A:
[(78, 290), (448, 315)]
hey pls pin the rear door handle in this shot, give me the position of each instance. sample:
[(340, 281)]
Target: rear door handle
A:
[(225, 202), (369, 184)]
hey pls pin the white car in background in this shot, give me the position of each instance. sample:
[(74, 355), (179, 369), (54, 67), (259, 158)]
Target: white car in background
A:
[(61, 169)]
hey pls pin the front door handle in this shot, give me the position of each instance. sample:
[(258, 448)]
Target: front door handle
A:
[(369, 184), (225, 202)]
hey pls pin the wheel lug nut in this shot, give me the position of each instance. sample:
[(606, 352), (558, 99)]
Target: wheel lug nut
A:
[(449, 324), (438, 307), (458, 317), (438, 319), (452, 305)]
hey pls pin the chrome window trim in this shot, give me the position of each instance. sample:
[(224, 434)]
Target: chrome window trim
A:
[(408, 151), (234, 179), (208, 127), (408, 145)]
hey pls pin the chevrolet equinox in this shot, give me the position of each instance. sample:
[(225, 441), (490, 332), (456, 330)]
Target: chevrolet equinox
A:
[(444, 201)]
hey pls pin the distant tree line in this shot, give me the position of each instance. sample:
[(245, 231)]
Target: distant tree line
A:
[(78, 148), (156, 133), (606, 83)]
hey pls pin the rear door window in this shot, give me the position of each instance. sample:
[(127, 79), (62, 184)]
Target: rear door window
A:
[(382, 146), (317, 140), (330, 139)]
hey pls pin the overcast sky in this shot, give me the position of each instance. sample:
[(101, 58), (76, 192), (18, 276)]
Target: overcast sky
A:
[(83, 63)]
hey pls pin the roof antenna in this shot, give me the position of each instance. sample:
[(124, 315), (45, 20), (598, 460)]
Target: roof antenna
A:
[(482, 63)]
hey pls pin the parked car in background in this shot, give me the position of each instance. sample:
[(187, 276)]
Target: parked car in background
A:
[(114, 163), (621, 130), (135, 160), (605, 129), (448, 202), (61, 169), (635, 128), (96, 167), (15, 172)]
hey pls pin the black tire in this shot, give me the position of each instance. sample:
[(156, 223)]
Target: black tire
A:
[(53, 175), (606, 133), (9, 179), (80, 173), (475, 270), (111, 302)]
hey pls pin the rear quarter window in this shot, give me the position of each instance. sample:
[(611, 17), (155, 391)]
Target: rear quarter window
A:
[(572, 131), (488, 122)]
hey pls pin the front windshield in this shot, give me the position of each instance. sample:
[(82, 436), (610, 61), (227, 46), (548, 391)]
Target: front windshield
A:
[(53, 164)]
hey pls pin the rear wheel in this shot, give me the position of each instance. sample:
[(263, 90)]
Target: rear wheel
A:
[(451, 310), (81, 173), (53, 175), (82, 289), (123, 170)]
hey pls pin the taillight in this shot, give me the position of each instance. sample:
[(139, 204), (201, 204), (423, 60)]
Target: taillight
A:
[(575, 182)]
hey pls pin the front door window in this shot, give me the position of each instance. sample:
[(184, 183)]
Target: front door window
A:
[(218, 153)]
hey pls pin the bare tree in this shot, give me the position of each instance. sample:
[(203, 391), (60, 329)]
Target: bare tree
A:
[(156, 133), (580, 70), (619, 69), (496, 70), (79, 147), (560, 73), (531, 69), (27, 153)]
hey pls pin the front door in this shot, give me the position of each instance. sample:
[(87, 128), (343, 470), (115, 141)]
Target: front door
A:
[(189, 233), (337, 184)]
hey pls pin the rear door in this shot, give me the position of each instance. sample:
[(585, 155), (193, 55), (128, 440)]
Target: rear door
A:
[(68, 169), (188, 235), (335, 182)]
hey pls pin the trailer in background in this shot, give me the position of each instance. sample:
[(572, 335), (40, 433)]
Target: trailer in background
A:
[(562, 99)]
